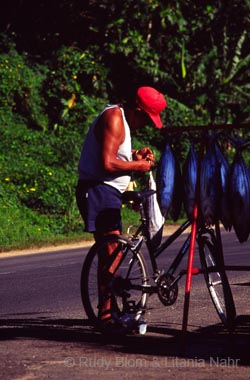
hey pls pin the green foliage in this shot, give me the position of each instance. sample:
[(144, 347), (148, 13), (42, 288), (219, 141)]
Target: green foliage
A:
[(207, 45), (20, 226), (136, 49), (56, 78), (75, 89), (35, 168), (21, 90)]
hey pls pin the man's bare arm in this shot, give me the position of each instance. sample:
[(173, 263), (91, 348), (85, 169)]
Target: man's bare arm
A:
[(113, 135)]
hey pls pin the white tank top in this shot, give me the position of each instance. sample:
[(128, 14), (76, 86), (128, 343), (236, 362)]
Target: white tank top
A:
[(90, 166)]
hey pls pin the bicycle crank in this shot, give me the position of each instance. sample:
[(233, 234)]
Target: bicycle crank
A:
[(167, 289)]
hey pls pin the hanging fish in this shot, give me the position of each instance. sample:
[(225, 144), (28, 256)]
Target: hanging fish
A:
[(224, 202), (240, 197), (165, 175), (189, 175), (177, 200), (209, 187)]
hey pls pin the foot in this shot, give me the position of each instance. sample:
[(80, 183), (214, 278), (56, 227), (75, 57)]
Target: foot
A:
[(125, 324)]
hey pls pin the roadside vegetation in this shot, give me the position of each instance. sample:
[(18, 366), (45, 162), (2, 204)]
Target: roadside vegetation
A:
[(57, 75)]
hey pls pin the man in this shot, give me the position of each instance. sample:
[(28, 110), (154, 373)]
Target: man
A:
[(107, 160)]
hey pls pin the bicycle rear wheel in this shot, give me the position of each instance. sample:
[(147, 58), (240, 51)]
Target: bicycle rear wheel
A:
[(217, 283), (125, 286)]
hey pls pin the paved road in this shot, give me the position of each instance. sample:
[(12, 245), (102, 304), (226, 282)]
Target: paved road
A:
[(45, 334)]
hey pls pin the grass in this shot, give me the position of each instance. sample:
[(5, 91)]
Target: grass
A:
[(22, 228)]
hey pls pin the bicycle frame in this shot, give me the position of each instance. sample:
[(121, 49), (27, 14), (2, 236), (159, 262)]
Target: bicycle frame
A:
[(122, 285), (155, 252), (168, 242)]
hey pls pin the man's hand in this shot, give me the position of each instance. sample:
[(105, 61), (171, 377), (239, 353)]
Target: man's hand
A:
[(144, 154)]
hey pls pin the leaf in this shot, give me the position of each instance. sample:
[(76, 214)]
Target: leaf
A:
[(183, 67)]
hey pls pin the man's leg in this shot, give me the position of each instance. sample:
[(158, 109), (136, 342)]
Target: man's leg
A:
[(100, 207), (105, 275)]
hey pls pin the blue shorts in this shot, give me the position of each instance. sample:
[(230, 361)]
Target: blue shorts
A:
[(99, 205)]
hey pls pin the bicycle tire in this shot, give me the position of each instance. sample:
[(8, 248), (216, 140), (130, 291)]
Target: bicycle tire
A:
[(217, 283), (132, 268)]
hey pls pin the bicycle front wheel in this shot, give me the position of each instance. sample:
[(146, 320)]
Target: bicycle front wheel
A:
[(217, 283), (126, 285)]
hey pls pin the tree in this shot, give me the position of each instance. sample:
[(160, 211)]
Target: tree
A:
[(197, 52)]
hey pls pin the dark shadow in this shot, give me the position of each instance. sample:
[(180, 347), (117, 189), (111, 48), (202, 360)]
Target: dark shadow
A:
[(204, 343), (242, 284)]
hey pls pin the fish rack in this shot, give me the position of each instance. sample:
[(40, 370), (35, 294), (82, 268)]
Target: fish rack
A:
[(190, 271)]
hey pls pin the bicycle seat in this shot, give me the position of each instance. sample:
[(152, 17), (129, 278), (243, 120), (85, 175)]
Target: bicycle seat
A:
[(137, 196)]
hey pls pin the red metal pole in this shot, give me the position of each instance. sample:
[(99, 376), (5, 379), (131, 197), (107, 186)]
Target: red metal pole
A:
[(192, 243), (189, 270)]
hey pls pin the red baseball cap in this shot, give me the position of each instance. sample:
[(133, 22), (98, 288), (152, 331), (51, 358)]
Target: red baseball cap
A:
[(152, 102)]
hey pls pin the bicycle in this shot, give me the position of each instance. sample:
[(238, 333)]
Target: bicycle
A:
[(130, 285)]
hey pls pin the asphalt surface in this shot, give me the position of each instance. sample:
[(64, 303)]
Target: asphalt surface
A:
[(44, 333)]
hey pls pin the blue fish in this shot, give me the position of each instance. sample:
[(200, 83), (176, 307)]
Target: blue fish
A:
[(224, 202), (189, 174), (240, 197), (165, 176), (177, 199), (209, 187)]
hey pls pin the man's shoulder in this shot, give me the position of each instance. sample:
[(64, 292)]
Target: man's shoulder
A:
[(110, 121), (112, 109), (111, 112)]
